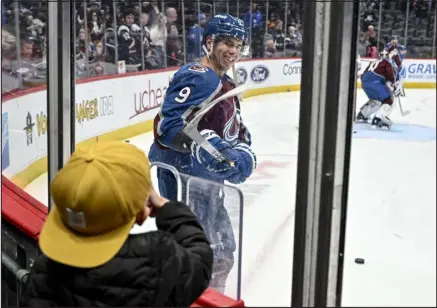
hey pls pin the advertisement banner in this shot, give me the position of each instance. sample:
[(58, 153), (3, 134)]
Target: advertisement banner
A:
[(418, 71)]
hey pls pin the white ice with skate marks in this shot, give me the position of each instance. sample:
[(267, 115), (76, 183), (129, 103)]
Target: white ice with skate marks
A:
[(391, 212)]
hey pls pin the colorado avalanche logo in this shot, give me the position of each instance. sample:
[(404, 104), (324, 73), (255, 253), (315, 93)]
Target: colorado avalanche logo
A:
[(198, 68), (241, 76), (259, 74), (232, 128)]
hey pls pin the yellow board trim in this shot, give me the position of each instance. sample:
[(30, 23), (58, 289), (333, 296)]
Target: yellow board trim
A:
[(39, 167), (414, 85)]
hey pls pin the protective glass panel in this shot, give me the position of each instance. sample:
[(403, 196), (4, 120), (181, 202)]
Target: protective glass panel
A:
[(412, 131), (24, 96), (219, 209)]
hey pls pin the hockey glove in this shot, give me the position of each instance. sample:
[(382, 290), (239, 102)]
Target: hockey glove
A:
[(399, 89), (246, 161), (241, 154), (206, 159)]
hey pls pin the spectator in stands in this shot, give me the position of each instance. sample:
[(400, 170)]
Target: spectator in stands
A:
[(144, 20), (173, 47), (292, 14), (89, 256), (279, 35), (294, 38), (8, 44), (26, 49), (421, 10), (371, 37), (270, 48), (253, 20), (31, 26), (98, 67), (369, 17), (81, 46), (271, 23), (158, 37), (153, 10), (129, 43), (95, 25), (8, 50), (194, 39), (172, 16)]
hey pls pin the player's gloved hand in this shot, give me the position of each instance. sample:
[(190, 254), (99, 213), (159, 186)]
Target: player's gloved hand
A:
[(241, 154), (398, 89), (207, 160), (245, 162), (246, 159)]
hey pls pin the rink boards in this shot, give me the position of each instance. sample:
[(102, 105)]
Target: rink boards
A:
[(122, 106)]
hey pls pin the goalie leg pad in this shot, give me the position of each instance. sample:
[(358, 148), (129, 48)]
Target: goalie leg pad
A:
[(381, 118), (370, 108)]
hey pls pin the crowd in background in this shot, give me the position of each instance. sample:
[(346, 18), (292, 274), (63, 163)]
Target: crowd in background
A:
[(148, 35), (411, 21)]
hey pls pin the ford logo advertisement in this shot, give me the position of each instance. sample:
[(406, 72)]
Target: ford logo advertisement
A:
[(241, 75), (259, 74)]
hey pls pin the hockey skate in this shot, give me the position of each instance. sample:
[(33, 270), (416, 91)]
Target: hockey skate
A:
[(381, 119), (361, 118)]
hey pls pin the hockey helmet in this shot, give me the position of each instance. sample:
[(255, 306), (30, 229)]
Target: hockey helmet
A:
[(225, 25)]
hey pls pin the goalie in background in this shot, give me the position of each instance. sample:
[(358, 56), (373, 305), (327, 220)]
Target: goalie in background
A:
[(380, 82), (192, 87)]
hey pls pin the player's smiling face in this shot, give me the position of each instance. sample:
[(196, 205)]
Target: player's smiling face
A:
[(226, 52)]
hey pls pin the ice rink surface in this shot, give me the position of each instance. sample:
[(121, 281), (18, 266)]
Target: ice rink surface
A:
[(391, 210)]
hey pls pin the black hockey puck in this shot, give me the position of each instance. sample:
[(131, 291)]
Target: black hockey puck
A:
[(127, 141), (359, 261)]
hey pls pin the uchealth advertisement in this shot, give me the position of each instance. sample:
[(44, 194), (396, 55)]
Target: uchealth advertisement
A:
[(150, 96)]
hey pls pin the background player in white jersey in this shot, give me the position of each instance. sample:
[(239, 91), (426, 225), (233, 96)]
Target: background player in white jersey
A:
[(191, 88)]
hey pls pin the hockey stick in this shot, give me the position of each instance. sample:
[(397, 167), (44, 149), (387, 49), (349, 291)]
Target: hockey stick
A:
[(234, 73), (403, 113), (191, 130)]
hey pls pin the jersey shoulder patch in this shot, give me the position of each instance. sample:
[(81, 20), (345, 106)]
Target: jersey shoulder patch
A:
[(196, 74), (197, 67), (192, 86)]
